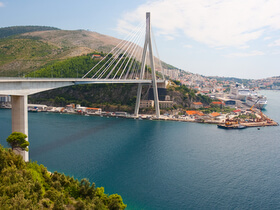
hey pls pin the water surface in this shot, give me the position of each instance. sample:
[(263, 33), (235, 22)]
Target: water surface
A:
[(162, 164)]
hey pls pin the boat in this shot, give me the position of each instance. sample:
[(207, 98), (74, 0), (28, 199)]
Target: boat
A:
[(240, 92), (224, 126), (260, 101), (249, 97)]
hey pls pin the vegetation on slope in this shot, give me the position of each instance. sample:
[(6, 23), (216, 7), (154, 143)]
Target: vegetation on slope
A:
[(14, 30), (109, 97), (184, 96), (70, 68), (30, 186), (232, 79), (21, 55), (24, 49)]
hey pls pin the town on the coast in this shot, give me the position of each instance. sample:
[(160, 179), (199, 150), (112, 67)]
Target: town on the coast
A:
[(233, 105)]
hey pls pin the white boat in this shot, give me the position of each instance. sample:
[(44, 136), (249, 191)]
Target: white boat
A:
[(249, 97), (240, 92), (260, 101)]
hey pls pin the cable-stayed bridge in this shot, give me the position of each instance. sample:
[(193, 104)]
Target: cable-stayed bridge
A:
[(128, 62)]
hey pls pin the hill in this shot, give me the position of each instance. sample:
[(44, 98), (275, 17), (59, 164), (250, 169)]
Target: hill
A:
[(27, 52), (25, 49), (14, 30)]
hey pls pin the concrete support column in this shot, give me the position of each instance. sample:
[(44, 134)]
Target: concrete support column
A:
[(138, 99), (20, 119)]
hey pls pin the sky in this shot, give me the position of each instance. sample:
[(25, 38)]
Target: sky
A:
[(230, 38)]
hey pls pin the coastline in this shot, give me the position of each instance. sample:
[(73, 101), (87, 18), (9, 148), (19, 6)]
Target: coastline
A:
[(267, 122)]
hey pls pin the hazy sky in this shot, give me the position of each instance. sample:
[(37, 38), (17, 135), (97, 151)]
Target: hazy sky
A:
[(239, 38)]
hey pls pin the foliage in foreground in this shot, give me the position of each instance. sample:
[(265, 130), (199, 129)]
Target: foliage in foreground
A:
[(31, 186), (18, 140)]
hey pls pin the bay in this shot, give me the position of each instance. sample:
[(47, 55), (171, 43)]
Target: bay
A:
[(162, 164)]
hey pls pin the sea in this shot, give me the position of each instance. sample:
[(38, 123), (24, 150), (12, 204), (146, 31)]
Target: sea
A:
[(158, 165)]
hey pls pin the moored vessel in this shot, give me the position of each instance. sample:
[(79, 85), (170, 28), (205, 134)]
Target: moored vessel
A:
[(224, 126)]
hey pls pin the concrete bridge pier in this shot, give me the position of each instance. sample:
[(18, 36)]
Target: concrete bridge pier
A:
[(20, 119)]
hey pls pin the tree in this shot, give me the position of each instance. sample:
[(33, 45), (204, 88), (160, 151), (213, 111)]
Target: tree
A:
[(18, 140)]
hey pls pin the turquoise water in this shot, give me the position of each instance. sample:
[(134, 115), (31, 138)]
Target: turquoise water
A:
[(162, 164)]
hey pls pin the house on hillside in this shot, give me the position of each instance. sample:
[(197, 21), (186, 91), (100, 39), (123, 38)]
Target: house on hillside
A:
[(236, 112), (194, 113), (218, 103), (96, 56), (196, 105), (147, 103)]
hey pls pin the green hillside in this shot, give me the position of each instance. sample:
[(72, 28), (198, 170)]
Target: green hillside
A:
[(14, 30), (30, 186), (20, 55), (25, 49), (110, 97)]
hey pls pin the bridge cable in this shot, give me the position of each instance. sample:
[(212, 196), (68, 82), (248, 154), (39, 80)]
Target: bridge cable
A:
[(131, 52), (114, 57), (107, 55), (133, 65), (154, 41), (136, 46), (124, 53)]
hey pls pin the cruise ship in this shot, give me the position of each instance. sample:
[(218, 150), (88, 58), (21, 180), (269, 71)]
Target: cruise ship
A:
[(249, 97), (260, 101)]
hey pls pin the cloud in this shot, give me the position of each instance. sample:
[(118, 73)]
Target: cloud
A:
[(249, 54), (275, 43), (2, 4), (216, 23), (187, 46), (267, 38)]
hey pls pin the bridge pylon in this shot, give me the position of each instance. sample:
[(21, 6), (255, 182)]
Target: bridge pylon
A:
[(20, 120), (148, 43)]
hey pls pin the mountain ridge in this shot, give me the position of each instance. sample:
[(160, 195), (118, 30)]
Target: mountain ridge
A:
[(23, 53)]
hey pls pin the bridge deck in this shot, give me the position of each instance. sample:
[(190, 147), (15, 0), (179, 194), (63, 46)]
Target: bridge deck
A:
[(28, 86)]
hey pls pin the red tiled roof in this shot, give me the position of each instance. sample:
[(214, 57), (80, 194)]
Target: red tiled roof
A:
[(237, 110), (217, 102), (215, 114), (197, 103), (193, 112)]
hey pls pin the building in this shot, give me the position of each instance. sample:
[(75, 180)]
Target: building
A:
[(165, 104), (237, 112), (80, 108), (96, 56), (70, 108), (215, 115), (121, 114), (5, 102), (218, 103), (194, 113), (196, 105), (93, 110), (5, 99), (147, 103), (230, 102)]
